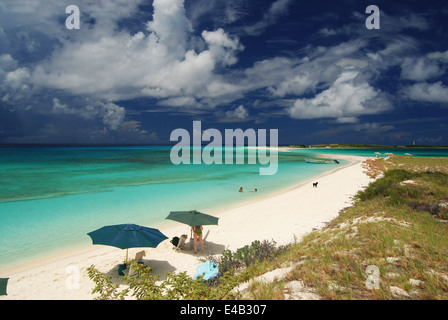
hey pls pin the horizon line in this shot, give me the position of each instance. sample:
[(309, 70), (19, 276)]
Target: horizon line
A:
[(316, 145)]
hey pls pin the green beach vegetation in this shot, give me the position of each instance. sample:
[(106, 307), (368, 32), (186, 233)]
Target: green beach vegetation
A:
[(391, 244), (398, 224)]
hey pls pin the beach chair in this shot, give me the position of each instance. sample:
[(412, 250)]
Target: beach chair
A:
[(181, 242), (139, 256), (124, 269), (129, 271)]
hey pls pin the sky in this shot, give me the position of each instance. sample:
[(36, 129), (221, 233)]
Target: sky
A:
[(135, 70)]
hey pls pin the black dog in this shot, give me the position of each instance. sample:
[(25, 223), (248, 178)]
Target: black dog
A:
[(315, 184)]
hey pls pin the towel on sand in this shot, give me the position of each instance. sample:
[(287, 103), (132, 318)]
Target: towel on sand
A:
[(208, 269)]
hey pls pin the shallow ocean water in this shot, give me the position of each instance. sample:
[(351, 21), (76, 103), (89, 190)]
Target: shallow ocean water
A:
[(50, 198)]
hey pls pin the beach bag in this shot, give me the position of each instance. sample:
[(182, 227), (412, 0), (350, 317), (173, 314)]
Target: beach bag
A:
[(208, 269), (121, 268), (175, 241)]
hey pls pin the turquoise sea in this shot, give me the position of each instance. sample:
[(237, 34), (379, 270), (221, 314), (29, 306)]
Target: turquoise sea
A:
[(51, 197)]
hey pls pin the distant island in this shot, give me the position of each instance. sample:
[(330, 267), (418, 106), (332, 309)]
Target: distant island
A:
[(343, 146)]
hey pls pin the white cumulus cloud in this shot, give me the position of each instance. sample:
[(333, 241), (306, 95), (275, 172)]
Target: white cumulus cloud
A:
[(425, 67), (161, 61), (430, 92), (239, 113), (345, 99)]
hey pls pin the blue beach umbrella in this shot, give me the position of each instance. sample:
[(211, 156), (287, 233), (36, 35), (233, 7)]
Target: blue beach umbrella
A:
[(3, 285), (126, 236)]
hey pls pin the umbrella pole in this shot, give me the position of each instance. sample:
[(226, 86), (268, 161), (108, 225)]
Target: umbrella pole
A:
[(126, 255)]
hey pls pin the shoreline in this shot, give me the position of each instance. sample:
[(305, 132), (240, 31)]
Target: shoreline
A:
[(46, 279), (78, 250), (26, 263)]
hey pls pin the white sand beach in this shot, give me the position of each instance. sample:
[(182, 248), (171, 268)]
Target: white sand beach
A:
[(281, 217)]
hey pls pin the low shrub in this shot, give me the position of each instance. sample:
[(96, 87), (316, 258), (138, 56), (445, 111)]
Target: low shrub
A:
[(145, 286)]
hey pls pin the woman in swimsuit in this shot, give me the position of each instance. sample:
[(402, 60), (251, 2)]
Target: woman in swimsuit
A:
[(197, 231)]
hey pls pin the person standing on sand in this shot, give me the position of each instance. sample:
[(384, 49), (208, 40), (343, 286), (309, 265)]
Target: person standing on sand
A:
[(197, 232)]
